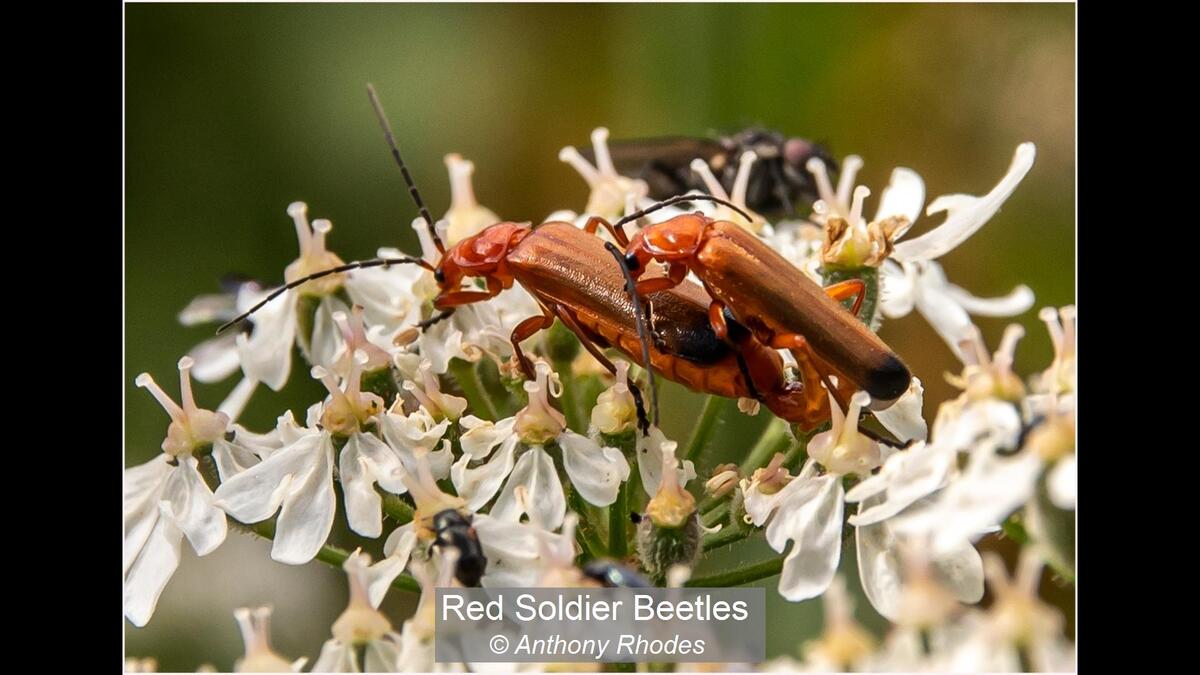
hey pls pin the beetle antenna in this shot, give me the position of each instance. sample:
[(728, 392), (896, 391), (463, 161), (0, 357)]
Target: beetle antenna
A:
[(880, 438), (412, 186), (356, 265), (677, 199), (643, 335)]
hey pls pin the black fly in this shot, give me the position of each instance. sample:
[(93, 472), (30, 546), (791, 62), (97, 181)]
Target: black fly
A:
[(454, 530), (779, 179)]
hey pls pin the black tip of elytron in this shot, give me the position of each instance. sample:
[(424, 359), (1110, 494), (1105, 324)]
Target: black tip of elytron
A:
[(889, 380)]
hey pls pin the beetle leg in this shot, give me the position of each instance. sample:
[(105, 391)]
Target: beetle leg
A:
[(716, 317), (565, 316), (816, 401), (524, 330), (855, 288), (596, 222), (675, 275)]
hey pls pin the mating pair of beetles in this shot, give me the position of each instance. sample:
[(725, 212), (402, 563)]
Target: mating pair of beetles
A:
[(719, 337)]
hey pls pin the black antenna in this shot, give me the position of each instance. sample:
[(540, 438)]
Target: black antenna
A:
[(357, 265), (412, 187), (643, 335), (677, 199)]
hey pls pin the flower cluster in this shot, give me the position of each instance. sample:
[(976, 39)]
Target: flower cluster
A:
[(470, 466)]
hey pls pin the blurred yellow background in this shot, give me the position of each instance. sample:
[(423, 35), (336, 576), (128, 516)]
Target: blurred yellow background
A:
[(234, 111)]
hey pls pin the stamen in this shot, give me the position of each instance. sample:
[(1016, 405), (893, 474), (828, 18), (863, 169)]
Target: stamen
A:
[(858, 401), (331, 384), (255, 627), (429, 251), (850, 167), (710, 181), (185, 384), (1068, 321), (1050, 318), (321, 227), (299, 213), (146, 382), (462, 192), (604, 163), (860, 193), (742, 180), (1008, 346), (571, 156), (817, 168)]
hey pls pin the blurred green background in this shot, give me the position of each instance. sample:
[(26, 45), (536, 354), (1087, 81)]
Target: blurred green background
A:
[(234, 111)]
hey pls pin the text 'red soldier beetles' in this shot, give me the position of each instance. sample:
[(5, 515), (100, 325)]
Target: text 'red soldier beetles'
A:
[(577, 281), (768, 295)]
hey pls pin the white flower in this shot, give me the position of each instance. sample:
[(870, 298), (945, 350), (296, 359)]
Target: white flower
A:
[(609, 191), (737, 197), (299, 476), (808, 508), (360, 627), (466, 216), (266, 354), (910, 277), (167, 498), (1018, 624), (216, 358), (595, 471), (651, 449), (255, 625), (844, 643)]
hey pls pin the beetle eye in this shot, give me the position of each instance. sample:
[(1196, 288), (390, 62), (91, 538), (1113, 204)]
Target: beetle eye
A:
[(631, 262), (439, 276)]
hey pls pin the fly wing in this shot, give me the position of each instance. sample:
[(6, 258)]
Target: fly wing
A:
[(674, 152)]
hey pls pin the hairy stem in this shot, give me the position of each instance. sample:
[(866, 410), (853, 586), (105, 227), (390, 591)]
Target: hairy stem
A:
[(745, 575)]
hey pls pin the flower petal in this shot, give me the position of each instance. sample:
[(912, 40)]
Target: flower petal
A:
[(965, 214), (482, 436), (151, 571), (336, 657), (266, 354), (959, 569), (813, 520), (1018, 300), (1060, 483), (190, 504), (596, 472), (307, 514), (480, 484), (231, 458), (898, 289), (534, 470), (904, 196), (256, 493), (878, 565), (903, 418)]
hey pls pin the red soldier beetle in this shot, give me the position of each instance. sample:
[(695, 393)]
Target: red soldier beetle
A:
[(781, 306)]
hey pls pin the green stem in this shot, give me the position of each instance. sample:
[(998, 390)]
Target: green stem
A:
[(715, 515), (745, 575), (467, 377), (618, 521), (703, 431), (728, 535), (774, 439), (586, 532)]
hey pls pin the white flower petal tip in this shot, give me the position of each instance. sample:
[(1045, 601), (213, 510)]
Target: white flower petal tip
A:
[(965, 214)]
